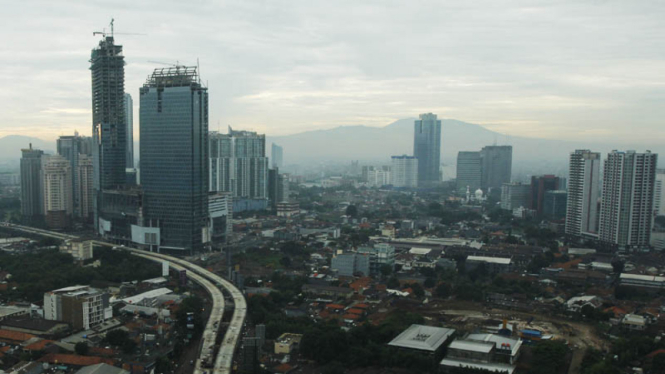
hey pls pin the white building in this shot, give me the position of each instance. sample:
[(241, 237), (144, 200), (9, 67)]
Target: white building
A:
[(659, 193), (81, 250), (404, 171), (379, 177), (583, 193), (626, 211), (220, 210), (58, 190), (80, 306), (422, 338)]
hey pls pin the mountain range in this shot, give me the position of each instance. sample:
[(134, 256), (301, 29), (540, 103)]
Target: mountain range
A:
[(376, 144)]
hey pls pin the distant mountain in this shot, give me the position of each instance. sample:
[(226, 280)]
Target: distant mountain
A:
[(11, 145), (377, 144)]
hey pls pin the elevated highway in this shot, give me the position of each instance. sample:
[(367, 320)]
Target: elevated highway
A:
[(220, 361)]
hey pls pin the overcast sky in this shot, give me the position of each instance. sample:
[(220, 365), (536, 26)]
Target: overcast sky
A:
[(583, 70)]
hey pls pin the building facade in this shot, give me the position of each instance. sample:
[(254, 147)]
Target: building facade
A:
[(72, 147), (583, 193), (80, 306), (32, 197), (349, 264), (404, 171), (626, 208), (427, 148), (84, 187), (220, 208), (174, 157), (469, 171), (659, 193), (515, 195), (238, 164), (554, 204), (57, 188), (109, 127), (129, 120), (496, 166), (276, 156), (540, 185)]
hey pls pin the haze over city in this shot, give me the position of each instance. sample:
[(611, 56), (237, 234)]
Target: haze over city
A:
[(571, 70)]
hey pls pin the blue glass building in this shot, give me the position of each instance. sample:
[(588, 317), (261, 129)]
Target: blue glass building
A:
[(174, 157)]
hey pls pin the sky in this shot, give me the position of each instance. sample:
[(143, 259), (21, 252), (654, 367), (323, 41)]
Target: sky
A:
[(572, 70)]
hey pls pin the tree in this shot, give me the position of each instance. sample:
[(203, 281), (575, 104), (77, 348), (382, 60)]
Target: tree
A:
[(392, 283), (163, 365), (386, 270), (617, 266), (81, 348), (429, 282), (550, 357), (352, 211), (285, 261), (443, 291)]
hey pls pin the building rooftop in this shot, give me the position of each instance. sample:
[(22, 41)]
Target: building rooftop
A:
[(146, 295), (472, 346), (420, 251), (502, 342), (10, 310), (493, 260), (491, 367), (639, 277), (102, 369), (424, 338)]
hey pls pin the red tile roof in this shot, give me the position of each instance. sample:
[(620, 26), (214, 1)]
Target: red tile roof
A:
[(656, 353), (334, 306), (14, 336), (351, 316), (38, 346), (74, 360), (361, 306), (355, 311)]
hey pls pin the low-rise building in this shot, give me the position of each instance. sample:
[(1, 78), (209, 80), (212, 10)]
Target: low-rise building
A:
[(634, 322), (645, 282), (490, 352), (350, 264), (287, 343), (80, 249), (287, 209), (428, 339), (492, 264), (80, 306)]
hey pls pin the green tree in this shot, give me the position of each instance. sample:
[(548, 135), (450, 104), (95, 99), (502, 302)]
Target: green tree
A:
[(443, 291), (393, 283), (352, 211), (81, 348)]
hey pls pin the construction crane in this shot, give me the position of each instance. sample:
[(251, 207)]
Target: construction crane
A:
[(103, 32)]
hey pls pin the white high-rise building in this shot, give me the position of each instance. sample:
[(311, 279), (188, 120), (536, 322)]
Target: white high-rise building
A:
[(57, 184), (379, 177), (659, 193), (626, 209), (238, 164), (404, 171), (583, 193)]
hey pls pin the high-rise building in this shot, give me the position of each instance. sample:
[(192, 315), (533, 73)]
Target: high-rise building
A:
[(58, 190), (515, 195), (540, 185), (626, 208), (496, 166), (220, 208), (554, 204), (238, 164), (276, 156), (404, 171), (109, 129), (84, 184), (32, 197), (427, 148), (129, 120), (659, 193), (71, 147), (469, 171), (583, 193), (379, 177), (278, 187), (174, 157)]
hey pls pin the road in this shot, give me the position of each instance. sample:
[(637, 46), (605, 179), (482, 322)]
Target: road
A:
[(213, 283)]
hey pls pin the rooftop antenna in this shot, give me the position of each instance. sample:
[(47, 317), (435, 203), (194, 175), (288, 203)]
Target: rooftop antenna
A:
[(111, 24), (198, 69)]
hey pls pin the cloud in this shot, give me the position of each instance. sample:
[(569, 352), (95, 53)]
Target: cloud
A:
[(286, 66)]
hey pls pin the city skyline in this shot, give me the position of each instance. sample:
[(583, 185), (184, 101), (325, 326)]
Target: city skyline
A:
[(338, 79)]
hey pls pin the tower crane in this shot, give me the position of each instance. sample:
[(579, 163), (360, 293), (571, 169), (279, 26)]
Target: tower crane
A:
[(103, 32)]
